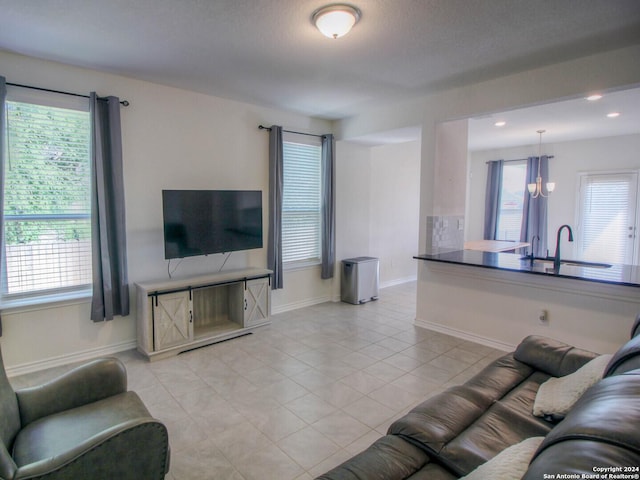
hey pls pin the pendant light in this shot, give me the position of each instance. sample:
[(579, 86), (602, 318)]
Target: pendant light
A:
[(535, 189), (336, 20)]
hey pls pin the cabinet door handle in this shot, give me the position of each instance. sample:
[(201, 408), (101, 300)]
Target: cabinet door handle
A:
[(246, 305)]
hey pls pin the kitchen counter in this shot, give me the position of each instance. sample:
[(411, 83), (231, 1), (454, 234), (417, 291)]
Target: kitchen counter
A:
[(494, 245), (616, 274)]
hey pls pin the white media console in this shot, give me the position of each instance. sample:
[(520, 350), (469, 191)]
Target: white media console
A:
[(178, 315)]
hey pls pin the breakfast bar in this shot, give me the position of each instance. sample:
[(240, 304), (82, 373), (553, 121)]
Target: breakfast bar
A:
[(613, 274)]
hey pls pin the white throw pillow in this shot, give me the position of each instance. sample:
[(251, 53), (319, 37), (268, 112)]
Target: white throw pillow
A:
[(556, 396), (511, 463)]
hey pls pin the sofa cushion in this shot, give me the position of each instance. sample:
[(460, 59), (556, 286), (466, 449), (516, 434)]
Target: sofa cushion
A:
[(521, 398), (432, 471), (497, 429), (557, 395), (509, 464), (439, 419), (551, 356)]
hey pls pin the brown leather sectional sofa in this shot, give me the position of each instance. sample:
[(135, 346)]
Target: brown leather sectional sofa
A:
[(452, 433)]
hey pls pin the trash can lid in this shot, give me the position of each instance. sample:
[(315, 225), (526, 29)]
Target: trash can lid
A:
[(359, 259)]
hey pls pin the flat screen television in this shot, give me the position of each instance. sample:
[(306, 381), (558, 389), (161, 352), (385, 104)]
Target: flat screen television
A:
[(203, 222)]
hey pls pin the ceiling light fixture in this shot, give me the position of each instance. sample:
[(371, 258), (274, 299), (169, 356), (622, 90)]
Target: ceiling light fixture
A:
[(613, 114), (535, 189), (594, 97), (500, 123), (336, 20)]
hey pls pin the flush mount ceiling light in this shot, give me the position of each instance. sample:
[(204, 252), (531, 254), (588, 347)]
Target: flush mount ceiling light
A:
[(336, 20), (594, 97)]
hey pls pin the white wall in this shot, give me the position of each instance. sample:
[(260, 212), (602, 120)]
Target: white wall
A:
[(353, 187), (449, 191), (171, 139), (378, 204), (570, 159), (395, 203)]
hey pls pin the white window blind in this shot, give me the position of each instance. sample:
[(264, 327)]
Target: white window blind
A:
[(514, 176), (301, 206), (47, 203), (607, 215)]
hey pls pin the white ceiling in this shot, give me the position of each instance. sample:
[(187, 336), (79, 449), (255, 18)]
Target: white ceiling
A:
[(267, 52), (563, 121)]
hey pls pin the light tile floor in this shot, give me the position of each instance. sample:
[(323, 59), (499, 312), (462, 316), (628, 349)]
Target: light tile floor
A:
[(300, 396)]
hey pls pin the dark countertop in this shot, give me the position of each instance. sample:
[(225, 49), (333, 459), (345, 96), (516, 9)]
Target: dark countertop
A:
[(616, 274)]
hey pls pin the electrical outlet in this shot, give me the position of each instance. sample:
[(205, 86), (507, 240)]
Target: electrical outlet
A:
[(543, 316)]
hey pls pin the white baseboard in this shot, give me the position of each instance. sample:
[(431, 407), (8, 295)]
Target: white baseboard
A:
[(308, 302), (332, 298), (398, 281), (67, 359), (472, 337)]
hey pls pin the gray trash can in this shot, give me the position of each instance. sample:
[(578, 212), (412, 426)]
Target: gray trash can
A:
[(359, 280)]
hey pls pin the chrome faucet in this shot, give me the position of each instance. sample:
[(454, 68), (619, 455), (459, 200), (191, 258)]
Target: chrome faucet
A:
[(532, 253), (556, 257)]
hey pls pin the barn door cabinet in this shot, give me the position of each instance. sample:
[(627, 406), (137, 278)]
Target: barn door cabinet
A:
[(178, 315)]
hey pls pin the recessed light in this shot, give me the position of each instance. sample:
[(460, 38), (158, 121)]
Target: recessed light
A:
[(501, 123), (594, 97), (613, 114)]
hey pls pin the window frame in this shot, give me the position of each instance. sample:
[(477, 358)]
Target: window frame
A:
[(635, 254), (67, 294), (310, 262), (511, 163)]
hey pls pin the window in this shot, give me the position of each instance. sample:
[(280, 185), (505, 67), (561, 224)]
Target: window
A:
[(47, 201), (301, 204), (511, 200), (607, 217)]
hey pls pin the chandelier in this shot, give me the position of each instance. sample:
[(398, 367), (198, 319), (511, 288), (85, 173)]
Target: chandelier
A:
[(535, 189)]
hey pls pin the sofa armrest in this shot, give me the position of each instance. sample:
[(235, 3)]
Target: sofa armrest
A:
[(626, 359), (139, 445), (389, 458), (600, 430), (87, 383), (551, 356)]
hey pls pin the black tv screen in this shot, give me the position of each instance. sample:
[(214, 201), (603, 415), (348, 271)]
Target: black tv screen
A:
[(202, 222)]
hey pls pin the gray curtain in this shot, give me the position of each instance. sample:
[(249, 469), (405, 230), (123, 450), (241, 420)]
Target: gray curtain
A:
[(534, 211), (3, 97), (109, 248), (328, 233), (274, 241), (492, 199)]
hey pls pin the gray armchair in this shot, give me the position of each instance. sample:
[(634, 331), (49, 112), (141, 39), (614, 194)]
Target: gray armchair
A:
[(81, 425)]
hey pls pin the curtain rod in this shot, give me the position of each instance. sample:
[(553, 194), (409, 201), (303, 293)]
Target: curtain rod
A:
[(262, 127), (519, 159), (124, 103)]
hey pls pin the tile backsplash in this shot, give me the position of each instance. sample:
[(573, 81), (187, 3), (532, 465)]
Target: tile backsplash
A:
[(445, 233)]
